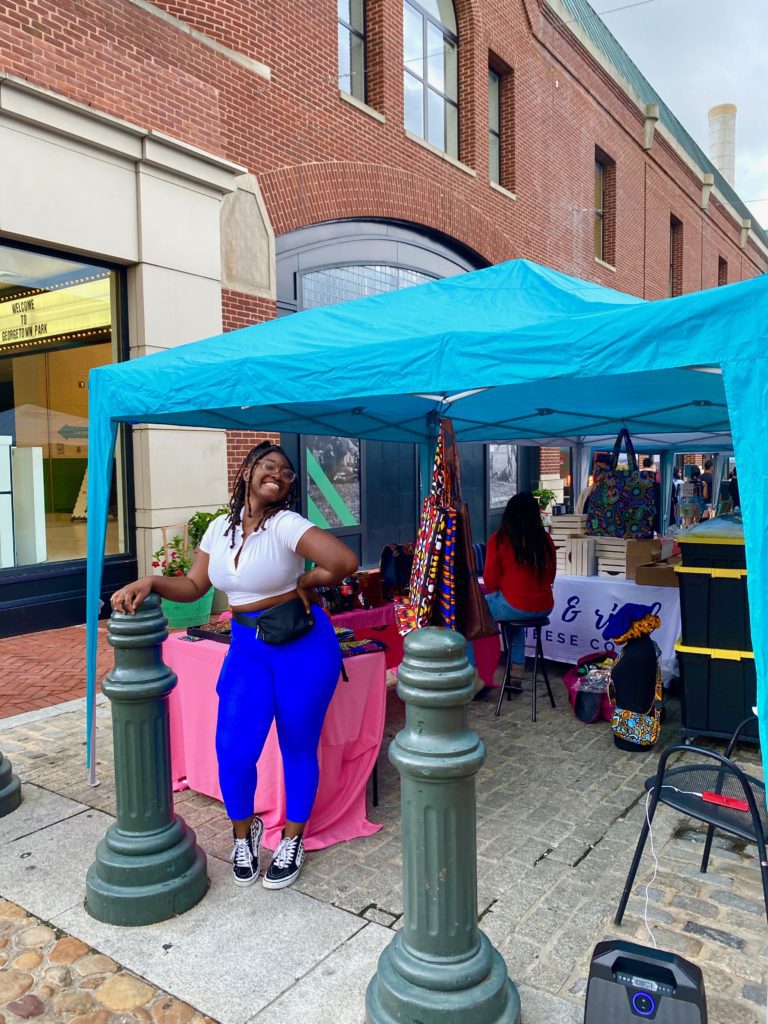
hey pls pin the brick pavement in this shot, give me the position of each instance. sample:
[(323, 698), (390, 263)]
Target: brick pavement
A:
[(559, 810), (39, 670)]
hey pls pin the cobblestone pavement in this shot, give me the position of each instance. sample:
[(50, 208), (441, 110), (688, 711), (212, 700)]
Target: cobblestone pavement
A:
[(43, 669), (47, 976), (559, 810)]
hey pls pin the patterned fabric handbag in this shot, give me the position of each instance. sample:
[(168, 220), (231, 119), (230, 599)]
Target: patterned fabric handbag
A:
[(622, 502), (431, 579), (636, 726)]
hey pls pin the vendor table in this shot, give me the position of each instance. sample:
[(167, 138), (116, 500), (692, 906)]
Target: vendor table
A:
[(583, 605), (380, 624), (349, 743)]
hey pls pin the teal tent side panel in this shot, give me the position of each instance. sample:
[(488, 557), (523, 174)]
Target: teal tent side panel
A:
[(102, 435), (746, 387)]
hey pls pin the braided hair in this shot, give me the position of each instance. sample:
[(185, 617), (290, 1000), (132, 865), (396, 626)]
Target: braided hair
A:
[(522, 528), (239, 497)]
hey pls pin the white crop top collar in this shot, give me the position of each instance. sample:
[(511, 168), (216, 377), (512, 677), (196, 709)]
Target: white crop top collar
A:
[(268, 565)]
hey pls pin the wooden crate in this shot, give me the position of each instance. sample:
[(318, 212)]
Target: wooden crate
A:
[(580, 556), (619, 557), (561, 530), (561, 527)]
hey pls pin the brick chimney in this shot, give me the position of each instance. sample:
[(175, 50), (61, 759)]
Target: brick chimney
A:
[(722, 140)]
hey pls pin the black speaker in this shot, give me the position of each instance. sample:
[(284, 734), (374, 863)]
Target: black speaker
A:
[(628, 983)]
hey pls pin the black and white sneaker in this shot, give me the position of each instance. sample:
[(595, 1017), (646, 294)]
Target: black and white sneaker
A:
[(286, 863), (245, 855)]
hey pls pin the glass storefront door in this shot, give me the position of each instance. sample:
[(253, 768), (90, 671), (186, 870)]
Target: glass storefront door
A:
[(58, 320)]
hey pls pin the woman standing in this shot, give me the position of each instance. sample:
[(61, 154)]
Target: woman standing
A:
[(284, 659), (520, 570)]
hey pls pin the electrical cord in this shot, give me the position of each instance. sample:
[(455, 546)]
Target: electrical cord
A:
[(655, 872), (685, 792)]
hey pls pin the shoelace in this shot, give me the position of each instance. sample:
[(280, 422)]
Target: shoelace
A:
[(285, 852), (241, 855)]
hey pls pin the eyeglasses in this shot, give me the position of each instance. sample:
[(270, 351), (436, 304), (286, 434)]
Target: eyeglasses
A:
[(283, 472)]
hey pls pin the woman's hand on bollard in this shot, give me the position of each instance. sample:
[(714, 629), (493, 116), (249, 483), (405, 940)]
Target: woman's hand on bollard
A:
[(128, 599)]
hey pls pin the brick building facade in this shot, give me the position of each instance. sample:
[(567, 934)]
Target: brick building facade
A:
[(242, 103)]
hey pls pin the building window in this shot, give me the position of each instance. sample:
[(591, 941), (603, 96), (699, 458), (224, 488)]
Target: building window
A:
[(502, 474), (675, 256), (341, 284), (351, 15), (501, 125), (494, 126), (366, 491), (58, 320), (722, 271), (605, 208), (431, 87)]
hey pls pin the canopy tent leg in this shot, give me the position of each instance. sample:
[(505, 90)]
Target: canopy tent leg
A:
[(102, 437), (665, 469), (746, 385)]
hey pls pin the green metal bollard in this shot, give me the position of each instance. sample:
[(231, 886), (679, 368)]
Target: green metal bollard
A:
[(148, 867), (439, 968), (10, 787)]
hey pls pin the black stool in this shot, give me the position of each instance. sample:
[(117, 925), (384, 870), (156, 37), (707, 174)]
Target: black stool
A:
[(507, 686)]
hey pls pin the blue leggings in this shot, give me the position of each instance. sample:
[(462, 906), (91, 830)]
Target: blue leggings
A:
[(259, 682)]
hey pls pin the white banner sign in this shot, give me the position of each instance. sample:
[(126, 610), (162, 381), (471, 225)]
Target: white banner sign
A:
[(583, 605)]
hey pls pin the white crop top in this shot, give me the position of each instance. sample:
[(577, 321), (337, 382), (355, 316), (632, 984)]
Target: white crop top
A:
[(268, 564)]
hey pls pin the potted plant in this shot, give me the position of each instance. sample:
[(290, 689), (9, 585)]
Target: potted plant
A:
[(174, 558), (544, 496)]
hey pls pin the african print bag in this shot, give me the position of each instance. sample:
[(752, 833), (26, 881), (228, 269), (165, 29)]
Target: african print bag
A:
[(641, 728), (622, 501), (431, 576)]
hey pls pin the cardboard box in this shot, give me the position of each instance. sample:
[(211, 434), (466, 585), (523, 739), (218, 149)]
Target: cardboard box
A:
[(656, 574)]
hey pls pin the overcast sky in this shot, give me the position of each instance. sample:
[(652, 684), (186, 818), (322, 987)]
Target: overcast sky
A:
[(696, 54)]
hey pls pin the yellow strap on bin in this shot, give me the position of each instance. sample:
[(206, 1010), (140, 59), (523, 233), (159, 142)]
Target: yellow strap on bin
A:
[(709, 540), (717, 574), (715, 652)]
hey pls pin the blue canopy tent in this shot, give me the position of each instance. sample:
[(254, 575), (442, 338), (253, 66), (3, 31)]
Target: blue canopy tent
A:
[(516, 352)]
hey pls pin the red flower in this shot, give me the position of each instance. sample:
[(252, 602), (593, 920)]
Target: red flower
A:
[(179, 572), (155, 565)]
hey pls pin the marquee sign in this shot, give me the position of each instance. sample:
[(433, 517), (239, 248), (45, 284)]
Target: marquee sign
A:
[(76, 311)]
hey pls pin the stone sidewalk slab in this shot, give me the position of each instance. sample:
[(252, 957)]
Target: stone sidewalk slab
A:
[(234, 953), (37, 811), (44, 871), (335, 989)]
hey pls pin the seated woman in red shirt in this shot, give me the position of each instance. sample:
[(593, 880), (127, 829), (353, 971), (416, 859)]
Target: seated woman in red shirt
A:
[(519, 570)]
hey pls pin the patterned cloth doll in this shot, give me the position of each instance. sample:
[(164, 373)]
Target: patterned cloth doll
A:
[(636, 689)]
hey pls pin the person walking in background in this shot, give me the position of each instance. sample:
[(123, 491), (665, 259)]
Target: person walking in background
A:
[(520, 570), (707, 482), (677, 483), (692, 490), (733, 487), (284, 659)]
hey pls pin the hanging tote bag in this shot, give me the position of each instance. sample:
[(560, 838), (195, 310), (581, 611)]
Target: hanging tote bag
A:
[(622, 501), (473, 616), (426, 582)]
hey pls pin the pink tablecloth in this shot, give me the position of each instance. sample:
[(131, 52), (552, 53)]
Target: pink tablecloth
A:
[(349, 743), (380, 623)]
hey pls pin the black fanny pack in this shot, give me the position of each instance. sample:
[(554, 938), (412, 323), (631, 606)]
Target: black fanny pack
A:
[(281, 624)]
